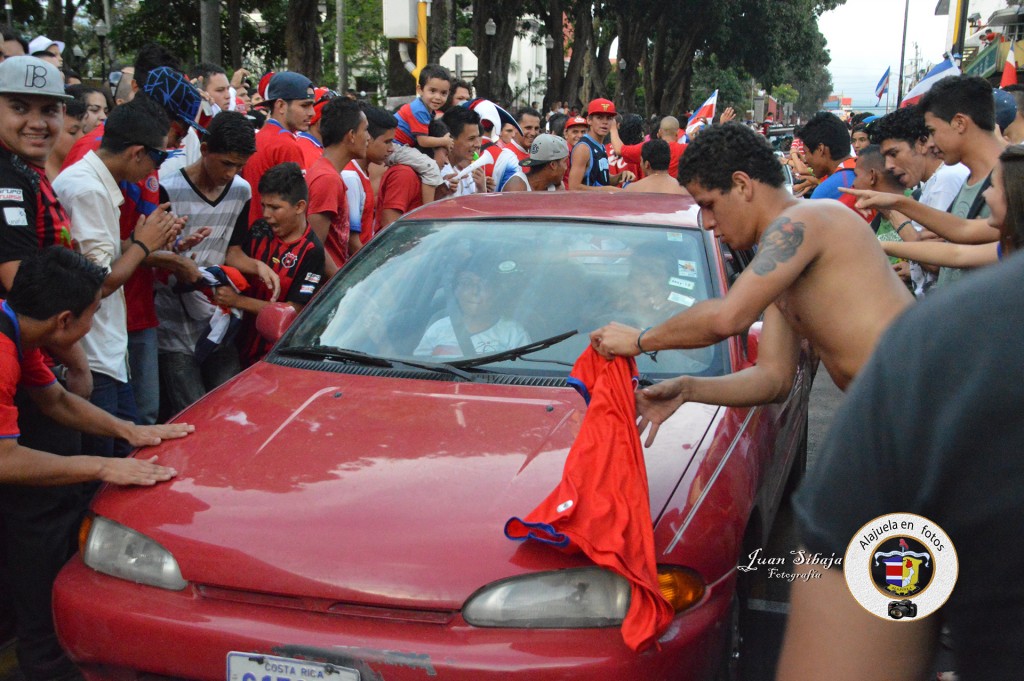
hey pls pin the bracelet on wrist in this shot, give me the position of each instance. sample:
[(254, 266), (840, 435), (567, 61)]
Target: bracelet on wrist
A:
[(652, 355), (902, 225), (141, 245)]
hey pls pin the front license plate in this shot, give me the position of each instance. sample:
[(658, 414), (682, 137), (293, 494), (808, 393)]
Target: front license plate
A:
[(254, 667)]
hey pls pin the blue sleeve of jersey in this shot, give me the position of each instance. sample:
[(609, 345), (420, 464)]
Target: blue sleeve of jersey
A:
[(421, 112), (829, 189)]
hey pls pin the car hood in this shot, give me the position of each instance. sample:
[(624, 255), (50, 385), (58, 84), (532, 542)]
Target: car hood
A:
[(368, 490)]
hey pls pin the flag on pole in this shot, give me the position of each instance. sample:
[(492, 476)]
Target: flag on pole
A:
[(942, 70), (883, 85), (705, 112), (1009, 68)]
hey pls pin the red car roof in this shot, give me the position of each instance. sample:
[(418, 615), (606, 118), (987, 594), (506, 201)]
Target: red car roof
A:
[(628, 207)]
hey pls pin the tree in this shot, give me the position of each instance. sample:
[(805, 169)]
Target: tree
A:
[(302, 39), (785, 93)]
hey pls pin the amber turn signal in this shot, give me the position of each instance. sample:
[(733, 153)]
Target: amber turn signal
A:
[(83, 533), (681, 587)]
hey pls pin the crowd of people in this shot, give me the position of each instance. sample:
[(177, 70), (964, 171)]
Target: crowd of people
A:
[(144, 228)]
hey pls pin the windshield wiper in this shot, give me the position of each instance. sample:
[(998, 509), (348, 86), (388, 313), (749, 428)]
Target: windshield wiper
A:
[(330, 352), (515, 353), (440, 367)]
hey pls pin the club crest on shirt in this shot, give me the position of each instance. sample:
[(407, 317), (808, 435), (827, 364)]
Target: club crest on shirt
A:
[(289, 260), (152, 183)]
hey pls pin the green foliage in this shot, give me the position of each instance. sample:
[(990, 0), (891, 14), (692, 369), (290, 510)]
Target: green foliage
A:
[(732, 83), (147, 21), (785, 93)]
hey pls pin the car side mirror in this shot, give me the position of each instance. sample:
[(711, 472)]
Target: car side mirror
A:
[(753, 342), (274, 319)]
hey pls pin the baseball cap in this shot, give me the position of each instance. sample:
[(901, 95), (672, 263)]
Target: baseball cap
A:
[(1006, 108), (289, 85), (574, 121), (25, 75), (42, 44), (179, 97), (322, 95), (545, 148), (601, 106)]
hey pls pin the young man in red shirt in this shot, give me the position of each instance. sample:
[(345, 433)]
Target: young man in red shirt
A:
[(343, 126), (399, 190), (290, 103), (381, 127)]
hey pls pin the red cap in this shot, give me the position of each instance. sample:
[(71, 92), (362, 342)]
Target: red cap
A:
[(574, 121), (601, 106), (320, 99), (264, 81)]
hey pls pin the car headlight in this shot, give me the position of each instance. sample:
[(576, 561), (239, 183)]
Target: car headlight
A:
[(564, 599), (573, 599), (115, 550)]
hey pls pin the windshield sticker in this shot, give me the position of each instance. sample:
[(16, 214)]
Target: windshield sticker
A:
[(674, 236), (687, 268), (681, 283), (680, 299)]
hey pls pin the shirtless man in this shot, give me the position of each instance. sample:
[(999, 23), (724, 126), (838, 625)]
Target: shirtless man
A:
[(655, 157), (818, 271)]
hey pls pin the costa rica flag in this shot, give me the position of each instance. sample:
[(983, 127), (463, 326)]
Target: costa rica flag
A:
[(894, 571)]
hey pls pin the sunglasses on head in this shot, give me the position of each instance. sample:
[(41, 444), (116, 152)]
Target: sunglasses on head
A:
[(327, 96)]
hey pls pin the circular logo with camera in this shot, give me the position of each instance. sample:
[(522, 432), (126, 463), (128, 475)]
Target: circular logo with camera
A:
[(901, 567)]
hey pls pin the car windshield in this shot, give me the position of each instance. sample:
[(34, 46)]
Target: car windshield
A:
[(505, 295)]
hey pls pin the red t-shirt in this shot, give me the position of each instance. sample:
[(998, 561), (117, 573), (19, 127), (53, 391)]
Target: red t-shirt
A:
[(617, 164), (400, 189), (299, 265), (521, 154), (602, 505), (310, 148), (141, 198), (17, 368), (327, 195), (631, 154), (274, 144)]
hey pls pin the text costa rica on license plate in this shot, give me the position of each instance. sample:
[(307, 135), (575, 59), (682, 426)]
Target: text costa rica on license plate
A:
[(255, 667)]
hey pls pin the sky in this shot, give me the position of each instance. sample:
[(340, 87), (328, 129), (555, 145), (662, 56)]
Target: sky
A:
[(864, 38)]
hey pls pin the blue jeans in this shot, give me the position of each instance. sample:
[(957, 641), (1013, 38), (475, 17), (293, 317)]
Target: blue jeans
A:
[(116, 398), (145, 374)]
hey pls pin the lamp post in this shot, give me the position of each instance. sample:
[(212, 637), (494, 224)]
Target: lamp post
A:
[(9, 8), (529, 87), (490, 29), (101, 34)]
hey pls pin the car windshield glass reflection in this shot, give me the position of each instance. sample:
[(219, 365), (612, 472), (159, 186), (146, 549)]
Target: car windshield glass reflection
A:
[(458, 292)]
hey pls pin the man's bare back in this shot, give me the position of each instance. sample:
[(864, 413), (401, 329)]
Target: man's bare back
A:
[(845, 295), (657, 184)]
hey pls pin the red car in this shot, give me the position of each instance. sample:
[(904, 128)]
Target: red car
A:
[(339, 510)]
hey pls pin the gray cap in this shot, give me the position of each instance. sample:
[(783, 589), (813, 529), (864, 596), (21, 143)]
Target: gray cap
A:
[(545, 149), (31, 76)]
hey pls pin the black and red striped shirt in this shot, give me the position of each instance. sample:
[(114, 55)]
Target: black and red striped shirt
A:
[(31, 216), (300, 266)]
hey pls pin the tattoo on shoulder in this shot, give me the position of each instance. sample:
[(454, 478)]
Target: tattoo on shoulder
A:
[(778, 244)]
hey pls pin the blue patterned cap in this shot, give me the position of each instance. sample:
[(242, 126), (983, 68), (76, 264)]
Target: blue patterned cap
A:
[(178, 96)]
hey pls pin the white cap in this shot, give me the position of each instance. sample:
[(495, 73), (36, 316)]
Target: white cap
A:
[(42, 44), (24, 75)]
